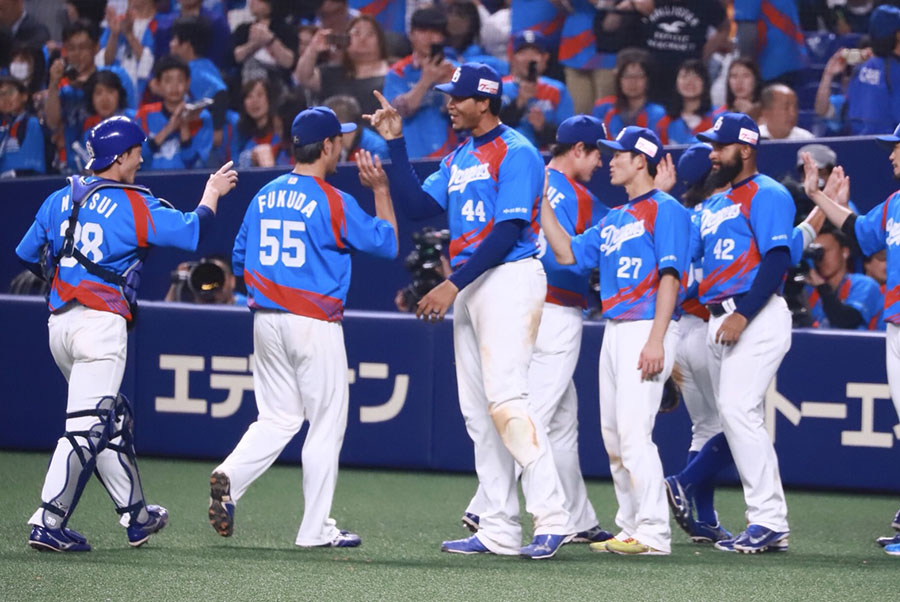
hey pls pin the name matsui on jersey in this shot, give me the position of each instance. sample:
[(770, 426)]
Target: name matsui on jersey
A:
[(460, 178), (711, 220), (613, 237)]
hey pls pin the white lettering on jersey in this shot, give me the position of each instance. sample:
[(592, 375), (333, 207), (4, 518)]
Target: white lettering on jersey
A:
[(613, 237), (290, 199), (711, 220), (554, 195), (869, 76), (893, 232), (460, 178), (102, 204)]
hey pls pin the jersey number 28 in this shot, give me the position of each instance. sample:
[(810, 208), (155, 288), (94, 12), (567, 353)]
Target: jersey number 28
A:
[(290, 249), (88, 238)]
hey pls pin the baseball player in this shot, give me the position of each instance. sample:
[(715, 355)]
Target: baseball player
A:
[(693, 488), (745, 241), (877, 230), (553, 397), (293, 250), (641, 249), (89, 239), (490, 187)]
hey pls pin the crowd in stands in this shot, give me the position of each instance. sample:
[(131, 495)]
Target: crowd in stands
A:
[(216, 80)]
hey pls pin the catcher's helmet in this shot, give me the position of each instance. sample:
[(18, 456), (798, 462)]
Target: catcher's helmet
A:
[(110, 138)]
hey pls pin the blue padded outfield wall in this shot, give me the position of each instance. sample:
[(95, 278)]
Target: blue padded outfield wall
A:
[(189, 368), (375, 281), (189, 376)]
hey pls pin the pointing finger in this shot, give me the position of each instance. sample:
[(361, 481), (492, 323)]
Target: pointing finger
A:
[(384, 101)]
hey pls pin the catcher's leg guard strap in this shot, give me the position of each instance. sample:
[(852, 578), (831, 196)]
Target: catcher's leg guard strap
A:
[(83, 447), (517, 432), (121, 478)]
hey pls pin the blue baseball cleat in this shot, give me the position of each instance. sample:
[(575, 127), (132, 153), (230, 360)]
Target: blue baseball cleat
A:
[(758, 539), (344, 539), (221, 506), (139, 534), (544, 546), (680, 504), (470, 545), (57, 540), (896, 522), (470, 521), (888, 540), (708, 532), (593, 535), (893, 549)]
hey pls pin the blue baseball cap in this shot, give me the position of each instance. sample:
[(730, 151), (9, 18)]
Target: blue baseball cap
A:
[(884, 21), (732, 128), (473, 79), (581, 128), (890, 140), (317, 123), (529, 37), (636, 139), (694, 164)]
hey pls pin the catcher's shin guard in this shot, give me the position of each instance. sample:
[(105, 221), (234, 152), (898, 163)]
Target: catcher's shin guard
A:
[(123, 480), (81, 448)]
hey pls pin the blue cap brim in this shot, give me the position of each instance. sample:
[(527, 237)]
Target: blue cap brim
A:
[(610, 145), (887, 141), (348, 127), (709, 136), (447, 89)]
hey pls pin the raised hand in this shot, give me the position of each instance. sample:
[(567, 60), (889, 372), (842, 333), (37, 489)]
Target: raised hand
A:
[(371, 172), (810, 175), (665, 174), (386, 120), (224, 180)]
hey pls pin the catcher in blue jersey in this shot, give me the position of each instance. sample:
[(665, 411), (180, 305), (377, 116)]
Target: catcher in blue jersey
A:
[(89, 240)]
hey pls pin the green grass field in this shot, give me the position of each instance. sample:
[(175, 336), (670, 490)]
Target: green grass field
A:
[(402, 518)]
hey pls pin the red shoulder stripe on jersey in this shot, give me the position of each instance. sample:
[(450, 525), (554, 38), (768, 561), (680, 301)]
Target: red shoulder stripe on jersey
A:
[(92, 294), (781, 22), (645, 210), (297, 301), (743, 196), (605, 100), (890, 298), (884, 212), (705, 124), (572, 46), (400, 65), (462, 242), (142, 216), (374, 7), (547, 92), (585, 206), (813, 299), (336, 209), (493, 154), (873, 323), (641, 120), (662, 128), (844, 290), (561, 296), (91, 121), (550, 27)]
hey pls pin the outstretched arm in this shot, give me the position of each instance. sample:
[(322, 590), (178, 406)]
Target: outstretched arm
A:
[(557, 237), (372, 175)]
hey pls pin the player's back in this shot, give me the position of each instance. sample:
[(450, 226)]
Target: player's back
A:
[(295, 243)]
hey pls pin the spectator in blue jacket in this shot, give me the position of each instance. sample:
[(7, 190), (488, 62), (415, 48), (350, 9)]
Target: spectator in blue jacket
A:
[(179, 136), (127, 41), (21, 136), (873, 95), (219, 49)]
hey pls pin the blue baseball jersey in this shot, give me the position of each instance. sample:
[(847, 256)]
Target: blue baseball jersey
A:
[(858, 291), (691, 303), (139, 70), (427, 131), (552, 99), (880, 229), (538, 15), (171, 154), (605, 110), (631, 245), (294, 245), (737, 229), (576, 209), (578, 47), (873, 101), (675, 130), (780, 47), (390, 14), (21, 144), (206, 81), (114, 225), (487, 180)]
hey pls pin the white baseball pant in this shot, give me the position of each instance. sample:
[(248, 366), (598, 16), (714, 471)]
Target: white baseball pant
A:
[(628, 408), (300, 374), (741, 373), (89, 347), (693, 358), (892, 356), (495, 324), (555, 402)]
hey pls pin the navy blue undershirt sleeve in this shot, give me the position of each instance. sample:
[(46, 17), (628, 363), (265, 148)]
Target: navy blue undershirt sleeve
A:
[(839, 314), (490, 252), (849, 228), (405, 185), (34, 268), (205, 217), (767, 280)]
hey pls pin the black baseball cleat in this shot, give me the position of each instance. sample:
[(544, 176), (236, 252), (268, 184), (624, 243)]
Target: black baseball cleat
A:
[(221, 507)]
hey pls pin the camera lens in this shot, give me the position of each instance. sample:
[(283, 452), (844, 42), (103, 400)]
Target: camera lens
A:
[(206, 280)]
